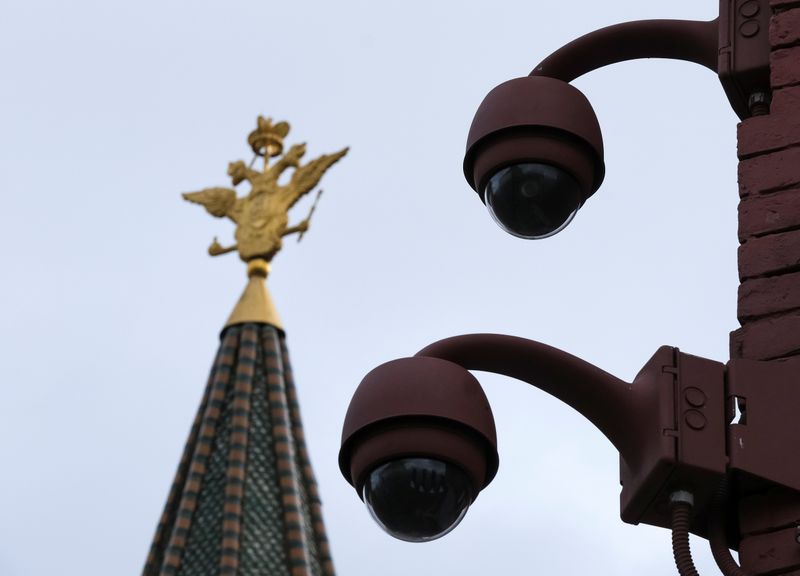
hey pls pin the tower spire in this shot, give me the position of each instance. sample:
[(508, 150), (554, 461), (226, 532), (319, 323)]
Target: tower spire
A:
[(244, 500)]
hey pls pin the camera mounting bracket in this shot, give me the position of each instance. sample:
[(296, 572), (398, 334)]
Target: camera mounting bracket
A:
[(735, 46), (692, 435), (767, 434), (682, 438), (743, 65)]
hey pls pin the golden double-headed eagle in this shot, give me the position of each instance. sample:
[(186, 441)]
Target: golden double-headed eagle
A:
[(262, 217)]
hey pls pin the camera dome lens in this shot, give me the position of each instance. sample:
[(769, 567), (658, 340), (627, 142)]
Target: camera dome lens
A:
[(417, 499), (532, 200)]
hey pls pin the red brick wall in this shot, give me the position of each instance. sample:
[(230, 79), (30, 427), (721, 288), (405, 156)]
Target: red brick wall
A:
[(769, 210), (769, 270)]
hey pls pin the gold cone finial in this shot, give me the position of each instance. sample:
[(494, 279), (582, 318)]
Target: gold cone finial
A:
[(255, 303)]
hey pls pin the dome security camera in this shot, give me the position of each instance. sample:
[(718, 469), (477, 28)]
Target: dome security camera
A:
[(418, 499), (418, 445), (534, 155)]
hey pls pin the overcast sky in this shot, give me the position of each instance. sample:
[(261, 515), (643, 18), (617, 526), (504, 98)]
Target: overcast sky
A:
[(110, 307)]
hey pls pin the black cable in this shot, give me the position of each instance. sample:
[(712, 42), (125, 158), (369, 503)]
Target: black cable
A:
[(717, 516), (681, 503)]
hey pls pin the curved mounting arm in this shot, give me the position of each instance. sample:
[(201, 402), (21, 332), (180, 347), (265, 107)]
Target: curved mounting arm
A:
[(603, 399), (689, 40)]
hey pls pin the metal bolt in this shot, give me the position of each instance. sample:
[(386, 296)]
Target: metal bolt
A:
[(758, 103), (684, 497)]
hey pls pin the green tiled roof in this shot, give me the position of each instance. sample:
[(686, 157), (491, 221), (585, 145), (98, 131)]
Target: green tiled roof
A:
[(244, 501)]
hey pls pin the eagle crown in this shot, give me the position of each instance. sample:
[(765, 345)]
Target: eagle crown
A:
[(261, 217)]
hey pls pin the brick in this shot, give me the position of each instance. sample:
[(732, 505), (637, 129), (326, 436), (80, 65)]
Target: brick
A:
[(772, 254), (784, 28), (760, 297), (761, 134), (769, 213), (767, 338), (769, 172), (785, 101), (785, 67)]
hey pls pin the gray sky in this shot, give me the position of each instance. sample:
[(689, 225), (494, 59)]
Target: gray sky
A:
[(110, 308)]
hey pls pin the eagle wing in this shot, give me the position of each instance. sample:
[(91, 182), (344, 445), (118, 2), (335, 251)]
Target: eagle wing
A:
[(218, 201), (306, 177)]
